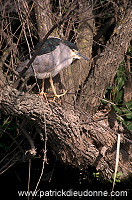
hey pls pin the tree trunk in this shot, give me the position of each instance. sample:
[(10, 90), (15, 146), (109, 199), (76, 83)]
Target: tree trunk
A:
[(75, 75), (104, 68), (76, 139), (43, 17)]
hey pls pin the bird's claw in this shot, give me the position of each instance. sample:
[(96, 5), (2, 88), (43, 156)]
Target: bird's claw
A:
[(43, 94), (59, 95), (56, 96)]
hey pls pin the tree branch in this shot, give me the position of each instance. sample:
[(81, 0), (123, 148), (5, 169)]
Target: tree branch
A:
[(75, 143)]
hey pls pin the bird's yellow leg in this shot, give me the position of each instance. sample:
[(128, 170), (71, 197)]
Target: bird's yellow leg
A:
[(42, 90), (53, 89)]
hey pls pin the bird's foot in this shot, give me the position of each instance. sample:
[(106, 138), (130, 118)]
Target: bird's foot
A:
[(59, 95), (43, 94)]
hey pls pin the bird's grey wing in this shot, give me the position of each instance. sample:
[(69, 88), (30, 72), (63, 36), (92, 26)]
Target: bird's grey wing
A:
[(43, 64)]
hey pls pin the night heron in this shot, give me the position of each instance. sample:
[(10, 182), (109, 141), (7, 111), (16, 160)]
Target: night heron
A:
[(53, 57)]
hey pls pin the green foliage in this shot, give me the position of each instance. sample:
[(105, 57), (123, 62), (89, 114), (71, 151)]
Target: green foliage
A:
[(118, 175), (96, 175), (119, 82), (124, 114), (116, 93), (129, 52), (7, 125)]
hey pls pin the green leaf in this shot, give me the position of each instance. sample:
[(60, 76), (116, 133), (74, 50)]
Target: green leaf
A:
[(119, 97), (129, 52), (119, 118), (129, 104), (120, 82), (117, 109), (128, 125), (105, 102), (128, 115), (12, 128), (4, 146)]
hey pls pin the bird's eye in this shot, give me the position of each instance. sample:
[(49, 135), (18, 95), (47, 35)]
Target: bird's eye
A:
[(74, 50)]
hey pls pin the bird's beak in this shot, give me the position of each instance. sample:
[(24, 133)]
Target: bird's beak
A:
[(81, 56)]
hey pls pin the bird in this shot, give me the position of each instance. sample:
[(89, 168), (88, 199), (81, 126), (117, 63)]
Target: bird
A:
[(55, 55)]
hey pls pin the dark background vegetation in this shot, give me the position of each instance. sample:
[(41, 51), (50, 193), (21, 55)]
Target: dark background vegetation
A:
[(101, 88)]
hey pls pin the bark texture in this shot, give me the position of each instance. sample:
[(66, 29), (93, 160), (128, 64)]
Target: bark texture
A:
[(43, 17), (103, 70), (77, 139)]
